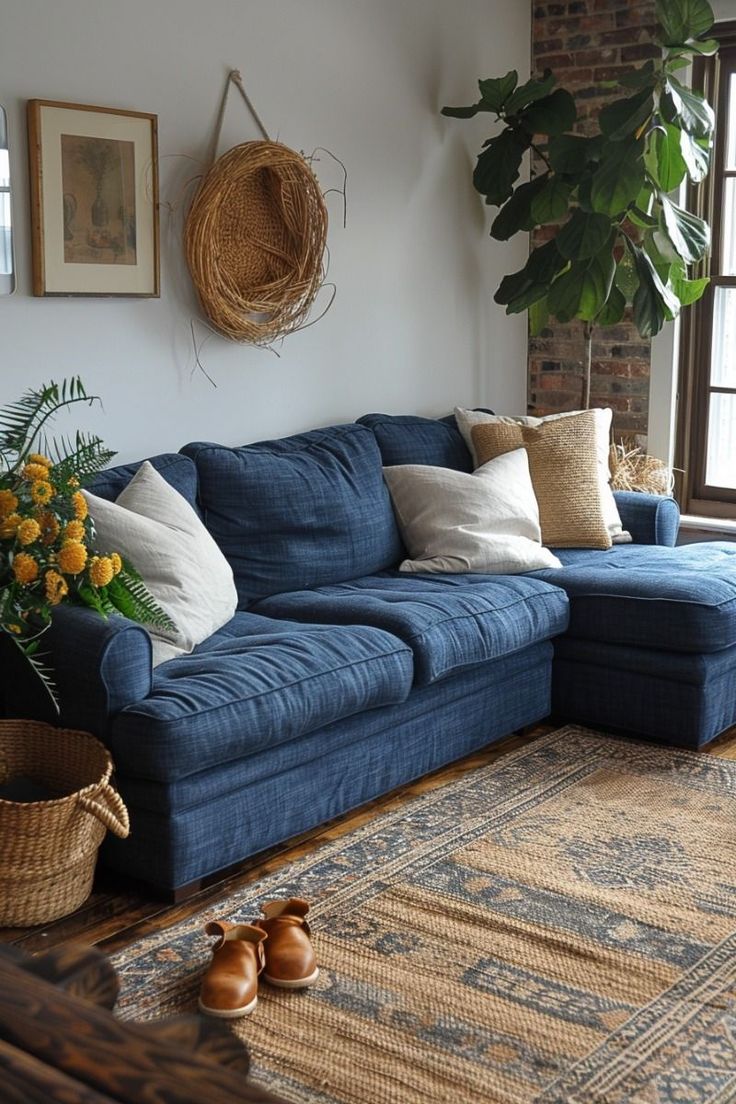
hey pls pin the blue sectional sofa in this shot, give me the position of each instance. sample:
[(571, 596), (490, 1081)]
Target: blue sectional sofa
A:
[(341, 678)]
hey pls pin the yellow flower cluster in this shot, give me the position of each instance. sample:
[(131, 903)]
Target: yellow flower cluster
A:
[(8, 503), (25, 568), (56, 587), (100, 571), (72, 557)]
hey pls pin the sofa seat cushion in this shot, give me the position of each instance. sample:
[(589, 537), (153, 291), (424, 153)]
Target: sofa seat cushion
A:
[(448, 621), (254, 684), (677, 599)]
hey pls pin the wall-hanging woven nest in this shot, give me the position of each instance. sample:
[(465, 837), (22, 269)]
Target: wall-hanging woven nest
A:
[(255, 239)]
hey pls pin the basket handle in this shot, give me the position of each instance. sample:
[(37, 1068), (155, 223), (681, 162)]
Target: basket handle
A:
[(113, 814)]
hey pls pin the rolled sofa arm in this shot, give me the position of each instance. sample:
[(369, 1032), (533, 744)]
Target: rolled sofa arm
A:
[(651, 519), (100, 665)]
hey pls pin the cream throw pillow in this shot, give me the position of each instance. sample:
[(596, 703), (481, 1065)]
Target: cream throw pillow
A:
[(466, 419), (154, 527), (487, 522), (564, 475)]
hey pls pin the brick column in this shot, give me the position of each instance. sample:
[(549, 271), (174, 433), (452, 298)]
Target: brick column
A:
[(585, 43)]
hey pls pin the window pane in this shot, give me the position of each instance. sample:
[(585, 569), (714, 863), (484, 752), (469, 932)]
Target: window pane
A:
[(731, 140), (721, 451), (728, 234), (4, 169), (723, 362)]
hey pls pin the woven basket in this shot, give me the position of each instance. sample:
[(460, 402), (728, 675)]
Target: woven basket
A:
[(48, 849), (254, 239)]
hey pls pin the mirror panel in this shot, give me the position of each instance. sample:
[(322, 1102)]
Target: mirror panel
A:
[(7, 267)]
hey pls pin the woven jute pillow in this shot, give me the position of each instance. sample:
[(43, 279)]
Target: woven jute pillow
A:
[(564, 470)]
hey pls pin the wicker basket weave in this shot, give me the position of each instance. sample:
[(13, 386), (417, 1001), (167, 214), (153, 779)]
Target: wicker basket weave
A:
[(48, 849), (255, 238)]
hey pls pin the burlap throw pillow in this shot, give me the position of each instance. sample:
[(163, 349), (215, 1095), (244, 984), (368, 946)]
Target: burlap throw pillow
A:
[(564, 470)]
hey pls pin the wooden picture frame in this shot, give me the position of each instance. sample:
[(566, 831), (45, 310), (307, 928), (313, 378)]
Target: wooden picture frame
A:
[(94, 200)]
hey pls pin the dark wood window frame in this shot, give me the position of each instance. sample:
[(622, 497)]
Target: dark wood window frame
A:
[(711, 76)]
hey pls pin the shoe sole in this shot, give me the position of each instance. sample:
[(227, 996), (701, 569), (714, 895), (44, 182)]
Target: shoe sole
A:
[(228, 1013), (292, 983)]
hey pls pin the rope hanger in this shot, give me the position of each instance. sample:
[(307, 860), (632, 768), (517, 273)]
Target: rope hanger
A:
[(234, 77)]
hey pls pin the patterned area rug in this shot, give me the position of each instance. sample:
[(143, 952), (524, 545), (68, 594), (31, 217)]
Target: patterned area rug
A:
[(557, 927)]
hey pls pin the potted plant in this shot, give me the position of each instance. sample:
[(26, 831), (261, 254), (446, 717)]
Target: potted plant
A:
[(622, 238)]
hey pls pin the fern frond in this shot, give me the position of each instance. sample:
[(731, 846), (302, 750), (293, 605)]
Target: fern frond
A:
[(42, 671), (132, 598), (84, 457)]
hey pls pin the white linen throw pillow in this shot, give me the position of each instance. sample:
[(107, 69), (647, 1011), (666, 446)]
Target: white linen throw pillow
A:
[(486, 522), (466, 419), (154, 527)]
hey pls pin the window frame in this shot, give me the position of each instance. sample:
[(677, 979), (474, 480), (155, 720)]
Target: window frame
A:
[(712, 77)]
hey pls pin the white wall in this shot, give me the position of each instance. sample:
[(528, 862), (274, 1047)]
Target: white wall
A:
[(413, 326)]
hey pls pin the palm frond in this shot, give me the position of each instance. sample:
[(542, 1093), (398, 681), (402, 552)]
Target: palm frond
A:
[(132, 598), (83, 457), (22, 422), (42, 671)]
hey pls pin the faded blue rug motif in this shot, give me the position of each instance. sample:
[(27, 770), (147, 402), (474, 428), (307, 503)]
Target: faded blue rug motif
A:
[(558, 927)]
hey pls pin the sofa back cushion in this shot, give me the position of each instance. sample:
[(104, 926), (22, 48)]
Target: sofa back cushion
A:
[(303, 511), (406, 439), (179, 471)]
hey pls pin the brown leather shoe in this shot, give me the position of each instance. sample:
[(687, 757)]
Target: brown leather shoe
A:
[(290, 960), (230, 986)]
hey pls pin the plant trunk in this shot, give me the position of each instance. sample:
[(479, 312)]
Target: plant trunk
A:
[(587, 363)]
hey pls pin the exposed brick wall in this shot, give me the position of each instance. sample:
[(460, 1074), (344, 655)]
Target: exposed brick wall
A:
[(584, 43)]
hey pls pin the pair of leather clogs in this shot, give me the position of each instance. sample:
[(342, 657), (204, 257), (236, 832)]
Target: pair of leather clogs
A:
[(277, 946)]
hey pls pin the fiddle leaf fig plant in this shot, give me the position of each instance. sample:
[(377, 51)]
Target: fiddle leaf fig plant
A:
[(623, 239)]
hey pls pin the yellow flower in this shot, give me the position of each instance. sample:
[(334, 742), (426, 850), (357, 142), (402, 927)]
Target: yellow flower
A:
[(28, 531), (25, 568), (74, 530), (79, 502), (56, 587), (8, 503), (49, 527), (100, 571), (42, 492), (14, 628), (72, 557), (9, 525), (39, 458), (72, 481), (34, 472), (117, 563)]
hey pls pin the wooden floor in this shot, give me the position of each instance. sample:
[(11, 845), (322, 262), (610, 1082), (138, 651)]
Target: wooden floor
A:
[(116, 916)]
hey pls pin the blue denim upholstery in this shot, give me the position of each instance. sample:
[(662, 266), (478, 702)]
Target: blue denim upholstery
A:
[(304, 511), (674, 697), (674, 599), (651, 519), (449, 621), (252, 804), (405, 439), (256, 683), (176, 469)]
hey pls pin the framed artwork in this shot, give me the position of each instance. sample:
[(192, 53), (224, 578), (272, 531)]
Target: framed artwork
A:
[(94, 200)]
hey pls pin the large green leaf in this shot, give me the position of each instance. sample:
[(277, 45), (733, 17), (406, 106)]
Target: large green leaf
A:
[(495, 91), (538, 316), (571, 153), (582, 291), (627, 277), (531, 282), (645, 77), (583, 236), (613, 309), (687, 109), (515, 214), (696, 155), (618, 179), (552, 202), (529, 92), (689, 291), (664, 158), (682, 20), (552, 115), (623, 118), (654, 303), (689, 234), (497, 168)]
